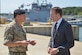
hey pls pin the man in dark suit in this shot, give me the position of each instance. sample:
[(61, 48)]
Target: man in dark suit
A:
[(61, 34)]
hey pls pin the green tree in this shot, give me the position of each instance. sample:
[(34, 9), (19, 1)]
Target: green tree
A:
[(80, 13)]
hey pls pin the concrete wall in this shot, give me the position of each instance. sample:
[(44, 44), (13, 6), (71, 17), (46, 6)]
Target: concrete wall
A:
[(39, 30), (46, 30), (75, 32)]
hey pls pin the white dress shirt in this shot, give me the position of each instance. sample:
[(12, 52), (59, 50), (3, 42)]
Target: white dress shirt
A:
[(53, 23), (59, 22)]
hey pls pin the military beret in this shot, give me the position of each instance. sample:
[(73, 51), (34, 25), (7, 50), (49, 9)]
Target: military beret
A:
[(19, 11)]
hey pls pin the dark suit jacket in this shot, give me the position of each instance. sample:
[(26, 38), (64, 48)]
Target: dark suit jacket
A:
[(64, 38)]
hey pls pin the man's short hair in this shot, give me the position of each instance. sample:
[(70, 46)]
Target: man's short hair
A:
[(58, 10), (18, 12)]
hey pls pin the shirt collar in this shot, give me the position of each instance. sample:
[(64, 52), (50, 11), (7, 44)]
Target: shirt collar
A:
[(59, 21)]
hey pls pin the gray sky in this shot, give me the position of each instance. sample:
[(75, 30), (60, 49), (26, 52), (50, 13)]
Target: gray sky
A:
[(10, 5)]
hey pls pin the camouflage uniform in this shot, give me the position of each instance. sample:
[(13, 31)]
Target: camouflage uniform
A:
[(15, 32)]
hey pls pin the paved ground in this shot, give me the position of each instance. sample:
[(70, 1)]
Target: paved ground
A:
[(41, 46)]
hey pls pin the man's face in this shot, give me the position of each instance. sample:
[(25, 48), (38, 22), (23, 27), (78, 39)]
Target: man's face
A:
[(53, 15), (22, 17)]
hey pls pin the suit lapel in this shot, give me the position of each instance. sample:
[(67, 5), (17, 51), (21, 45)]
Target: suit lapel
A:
[(52, 30), (59, 28), (61, 24)]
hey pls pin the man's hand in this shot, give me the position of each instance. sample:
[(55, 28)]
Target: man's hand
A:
[(49, 49), (53, 51), (32, 42)]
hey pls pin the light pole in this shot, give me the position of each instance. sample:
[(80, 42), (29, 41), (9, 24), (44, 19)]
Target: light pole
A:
[(0, 7), (0, 11)]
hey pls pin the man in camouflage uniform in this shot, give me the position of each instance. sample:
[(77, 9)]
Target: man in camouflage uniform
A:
[(15, 35)]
